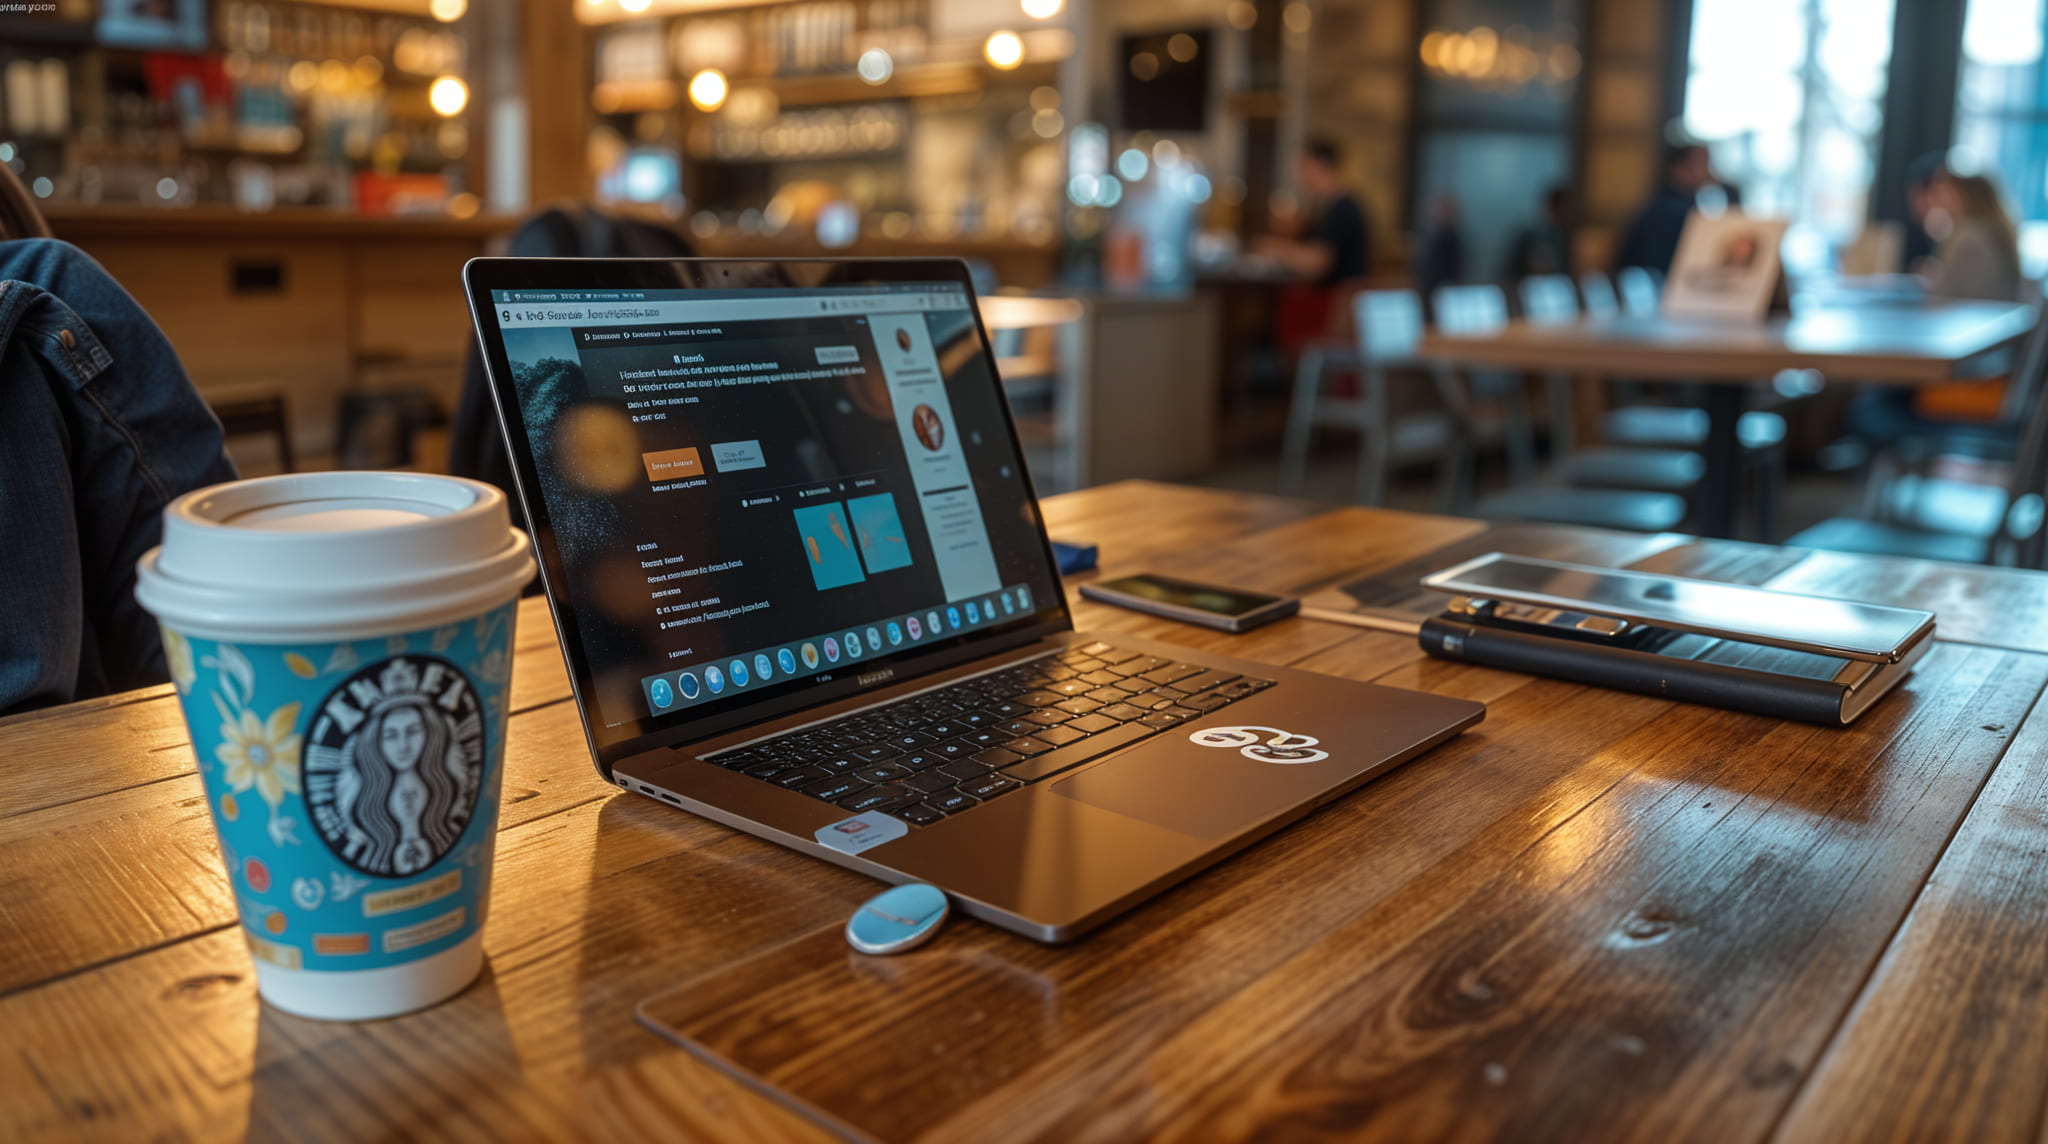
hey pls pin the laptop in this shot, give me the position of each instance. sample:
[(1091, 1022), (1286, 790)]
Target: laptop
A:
[(790, 543)]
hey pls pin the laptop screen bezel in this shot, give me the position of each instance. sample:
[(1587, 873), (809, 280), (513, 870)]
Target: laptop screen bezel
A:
[(482, 276)]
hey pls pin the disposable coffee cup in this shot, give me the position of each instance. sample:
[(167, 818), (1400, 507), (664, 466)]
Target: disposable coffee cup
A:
[(341, 644)]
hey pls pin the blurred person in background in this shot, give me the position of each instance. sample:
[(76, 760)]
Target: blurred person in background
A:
[(1328, 256), (1920, 177), (1337, 247), (1976, 257), (1440, 255), (1652, 239), (1545, 245), (1977, 251)]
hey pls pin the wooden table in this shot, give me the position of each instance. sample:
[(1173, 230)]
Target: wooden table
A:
[(1877, 344), (1595, 915)]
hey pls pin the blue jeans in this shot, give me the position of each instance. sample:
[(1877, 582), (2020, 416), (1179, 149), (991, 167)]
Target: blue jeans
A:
[(99, 429)]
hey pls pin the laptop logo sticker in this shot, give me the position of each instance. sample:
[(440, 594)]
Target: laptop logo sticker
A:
[(861, 832), (1282, 747)]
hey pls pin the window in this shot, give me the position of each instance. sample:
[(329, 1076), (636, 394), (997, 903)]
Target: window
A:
[(2001, 122), (1789, 94)]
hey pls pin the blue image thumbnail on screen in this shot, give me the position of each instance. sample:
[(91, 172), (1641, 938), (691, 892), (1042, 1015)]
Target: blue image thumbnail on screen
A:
[(880, 531), (828, 546)]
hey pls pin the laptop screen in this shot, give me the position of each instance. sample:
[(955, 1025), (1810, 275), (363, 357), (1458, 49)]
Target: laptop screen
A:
[(754, 493)]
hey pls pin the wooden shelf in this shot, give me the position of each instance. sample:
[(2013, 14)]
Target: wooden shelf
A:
[(919, 81), (73, 221)]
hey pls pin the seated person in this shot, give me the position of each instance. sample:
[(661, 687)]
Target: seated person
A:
[(1337, 247), (1977, 257), (1978, 249), (1545, 245), (1330, 252), (1440, 253), (100, 429), (1651, 241)]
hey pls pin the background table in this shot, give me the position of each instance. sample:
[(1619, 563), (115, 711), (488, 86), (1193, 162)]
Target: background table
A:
[(1875, 344), (1594, 915)]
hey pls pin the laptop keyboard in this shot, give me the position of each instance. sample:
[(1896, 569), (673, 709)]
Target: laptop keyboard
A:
[(948, 751)]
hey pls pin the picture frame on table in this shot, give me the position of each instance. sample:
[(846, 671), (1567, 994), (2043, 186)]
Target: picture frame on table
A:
[(1727, 268)]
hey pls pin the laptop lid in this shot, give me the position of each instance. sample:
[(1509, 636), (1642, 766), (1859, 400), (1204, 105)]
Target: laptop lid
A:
[(759, 486)]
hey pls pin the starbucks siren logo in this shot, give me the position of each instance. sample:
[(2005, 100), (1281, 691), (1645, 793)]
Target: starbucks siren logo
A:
[(394, 763)]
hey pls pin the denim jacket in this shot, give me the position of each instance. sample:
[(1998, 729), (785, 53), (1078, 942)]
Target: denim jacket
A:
[(99, 429)]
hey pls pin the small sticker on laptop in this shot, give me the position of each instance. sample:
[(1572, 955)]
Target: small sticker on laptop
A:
[(862, 832), (1263, 744)]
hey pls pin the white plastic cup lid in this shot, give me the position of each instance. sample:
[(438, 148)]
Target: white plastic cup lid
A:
[(332, 556)]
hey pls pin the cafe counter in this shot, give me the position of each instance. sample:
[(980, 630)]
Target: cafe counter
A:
[(306, 304), (311, 305)]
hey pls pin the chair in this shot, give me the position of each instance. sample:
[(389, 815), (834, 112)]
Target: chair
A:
[(1677, 432), (1920, 508), (1037, 346), (1639, 290), (380, 430), (1480, 310), (1550, 300), (1386, 325), (1597, 291), (256, 414), (1597, 508)]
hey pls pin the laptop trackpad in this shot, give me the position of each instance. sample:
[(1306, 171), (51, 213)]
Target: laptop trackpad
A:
[(1170, 782)]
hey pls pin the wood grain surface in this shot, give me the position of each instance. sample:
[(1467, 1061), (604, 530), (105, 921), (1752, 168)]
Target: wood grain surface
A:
[(1595, 916)]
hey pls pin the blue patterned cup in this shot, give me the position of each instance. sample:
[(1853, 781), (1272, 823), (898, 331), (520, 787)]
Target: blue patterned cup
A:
[(341, 645)]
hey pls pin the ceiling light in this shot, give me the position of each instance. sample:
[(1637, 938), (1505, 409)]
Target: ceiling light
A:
[(1005, 50), (875, 66), (448, 95), (707, 89)]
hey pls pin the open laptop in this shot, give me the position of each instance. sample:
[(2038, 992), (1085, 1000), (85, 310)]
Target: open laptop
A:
[(791, 545)]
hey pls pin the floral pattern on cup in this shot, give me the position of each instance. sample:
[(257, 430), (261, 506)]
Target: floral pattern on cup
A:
[(354, 786)]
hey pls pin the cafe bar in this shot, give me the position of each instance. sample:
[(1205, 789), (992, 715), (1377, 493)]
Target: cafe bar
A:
[(1023, 570)]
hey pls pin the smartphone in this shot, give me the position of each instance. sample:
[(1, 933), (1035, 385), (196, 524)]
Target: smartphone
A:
[(1210, 605)]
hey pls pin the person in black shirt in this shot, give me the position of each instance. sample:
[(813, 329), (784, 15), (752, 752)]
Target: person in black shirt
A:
[(1652, 240), (1440, 255), (1337, 248), (1545, 245)]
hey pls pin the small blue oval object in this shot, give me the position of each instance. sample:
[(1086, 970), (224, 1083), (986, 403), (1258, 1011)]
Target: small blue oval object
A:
[(898, 919)]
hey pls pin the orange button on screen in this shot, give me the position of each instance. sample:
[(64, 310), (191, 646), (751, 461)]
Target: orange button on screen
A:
[(673, 464)]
